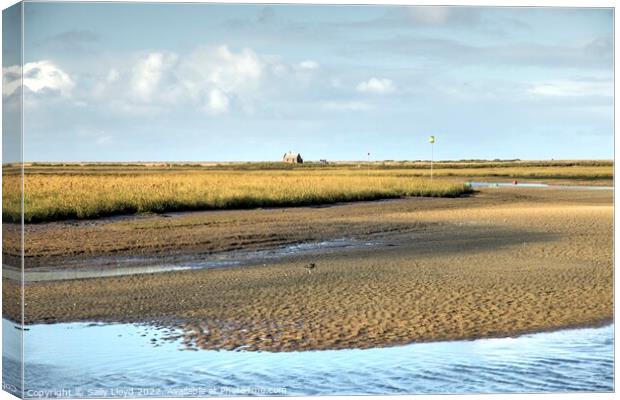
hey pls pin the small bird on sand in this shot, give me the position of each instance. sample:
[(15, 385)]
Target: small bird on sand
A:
[(310, 267)]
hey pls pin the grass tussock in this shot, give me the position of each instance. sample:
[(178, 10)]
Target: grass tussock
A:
[(52, 197)]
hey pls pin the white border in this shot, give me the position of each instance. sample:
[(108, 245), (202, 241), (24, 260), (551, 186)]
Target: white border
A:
[(505, 3)]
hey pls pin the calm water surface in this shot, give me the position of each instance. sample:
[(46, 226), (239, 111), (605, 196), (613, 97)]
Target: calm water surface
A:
[(118, 360), (525, 185)]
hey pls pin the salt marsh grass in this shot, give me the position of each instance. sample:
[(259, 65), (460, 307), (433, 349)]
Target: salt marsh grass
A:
[(75, 191), (50, 197)]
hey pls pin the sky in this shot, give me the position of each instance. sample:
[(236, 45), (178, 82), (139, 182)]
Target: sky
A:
[(200, 82)]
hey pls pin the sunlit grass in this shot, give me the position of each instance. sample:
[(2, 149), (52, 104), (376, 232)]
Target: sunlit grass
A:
[(50, 197), (57, 192)]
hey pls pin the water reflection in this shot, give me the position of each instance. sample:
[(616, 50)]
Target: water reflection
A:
[(92, 360)]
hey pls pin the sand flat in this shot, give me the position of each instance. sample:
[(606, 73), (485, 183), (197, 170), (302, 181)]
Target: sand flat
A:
[(498, 263)]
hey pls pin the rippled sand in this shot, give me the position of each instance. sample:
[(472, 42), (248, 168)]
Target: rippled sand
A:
[(499, 263)]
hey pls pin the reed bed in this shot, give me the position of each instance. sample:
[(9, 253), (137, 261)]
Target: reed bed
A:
[(52, 197)]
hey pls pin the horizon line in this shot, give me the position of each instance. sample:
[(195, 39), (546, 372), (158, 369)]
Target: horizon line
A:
[(310, 161)]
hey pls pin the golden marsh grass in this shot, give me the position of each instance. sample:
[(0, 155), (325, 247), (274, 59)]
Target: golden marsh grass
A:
[(51, 197), (73, 191)]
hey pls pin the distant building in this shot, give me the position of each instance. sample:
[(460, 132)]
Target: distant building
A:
[(293, 158), (323, 161)]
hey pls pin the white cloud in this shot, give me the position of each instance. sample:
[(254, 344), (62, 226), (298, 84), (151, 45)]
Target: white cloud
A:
[(218, 102), (309, 64), (207, 78), (219, 67), (148, 73), (45, 75), (573, 88), (377, 86), (212, 79), (213, 76), (100, 88), (347, 106), (40, 76)]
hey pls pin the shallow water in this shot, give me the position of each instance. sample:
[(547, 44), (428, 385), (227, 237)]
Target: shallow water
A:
[(119, 360), (229, 259), (537, 185)]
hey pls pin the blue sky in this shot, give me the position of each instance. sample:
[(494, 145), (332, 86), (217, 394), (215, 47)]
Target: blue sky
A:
[(183, 82)]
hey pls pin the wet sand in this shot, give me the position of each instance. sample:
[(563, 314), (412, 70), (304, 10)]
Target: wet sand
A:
[(501, 262)]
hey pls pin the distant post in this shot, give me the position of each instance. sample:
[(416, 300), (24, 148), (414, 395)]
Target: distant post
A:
[(431, 140), (368, 165)]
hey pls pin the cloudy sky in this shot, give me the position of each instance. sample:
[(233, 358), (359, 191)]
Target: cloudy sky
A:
[(108, 82)]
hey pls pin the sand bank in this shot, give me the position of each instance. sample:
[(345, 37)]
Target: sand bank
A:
[(495, 264)]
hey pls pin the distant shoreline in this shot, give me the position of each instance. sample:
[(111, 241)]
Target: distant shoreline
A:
[(206, 163)]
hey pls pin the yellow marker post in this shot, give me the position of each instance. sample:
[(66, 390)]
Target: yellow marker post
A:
[(431, 140)]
